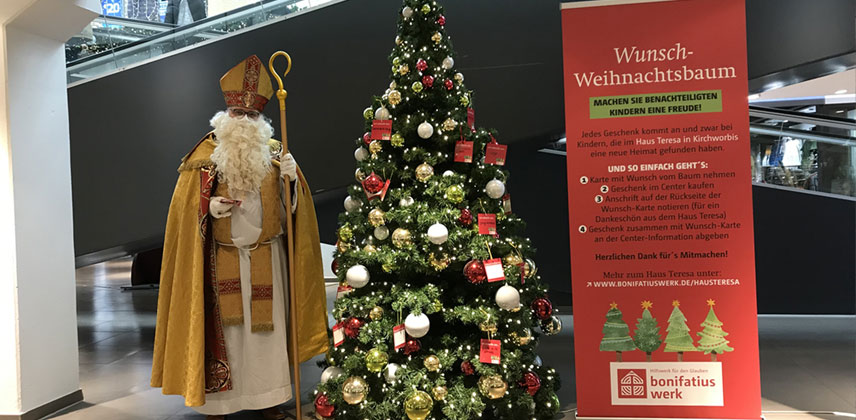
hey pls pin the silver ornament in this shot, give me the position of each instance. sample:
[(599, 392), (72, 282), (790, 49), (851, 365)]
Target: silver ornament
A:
[(425, 130), (495, 189), (361, 154), (381, 232), (448, 63)]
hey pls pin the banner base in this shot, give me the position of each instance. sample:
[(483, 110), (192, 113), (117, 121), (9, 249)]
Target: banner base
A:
[(657, 418)]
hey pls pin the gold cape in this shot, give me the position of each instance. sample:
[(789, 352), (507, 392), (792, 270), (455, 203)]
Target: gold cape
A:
[(179, 352)]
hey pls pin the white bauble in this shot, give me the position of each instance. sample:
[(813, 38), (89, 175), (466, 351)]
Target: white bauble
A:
[(331, 372), (538, 361), (459, 77), (361, 154), (352, 204), (381, 113), (508, 298), (381, 232), (407, 12), (449, 173), (495, 188), (425, 130), (390, 372), (357, 276), (438, 234), (448, 63), (417, 325), (406, 201)]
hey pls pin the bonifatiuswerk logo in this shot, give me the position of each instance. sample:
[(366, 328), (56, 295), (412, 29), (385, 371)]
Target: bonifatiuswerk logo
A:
[(632, 383)]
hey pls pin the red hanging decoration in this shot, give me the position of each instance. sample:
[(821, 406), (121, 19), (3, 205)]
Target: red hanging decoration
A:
[(531, 382), (475, 272), (468, 368), (421, 65), (428, 81), (367, 138), (441, 20), (411, 346), (353, 326), (542, 308), (373, 183), (335, 266), (323, 406), (466, 217), (449, 84)]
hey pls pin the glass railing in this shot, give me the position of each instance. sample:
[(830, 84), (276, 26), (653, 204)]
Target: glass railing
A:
[(802, 150), (133, 31)]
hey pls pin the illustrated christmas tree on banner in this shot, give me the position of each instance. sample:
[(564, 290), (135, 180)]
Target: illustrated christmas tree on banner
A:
[(712, 339), (616, 333), (440, 307), (647, 334), (678, 339)]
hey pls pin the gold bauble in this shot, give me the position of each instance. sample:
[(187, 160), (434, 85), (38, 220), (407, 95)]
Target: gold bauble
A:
[(376, 360), (488, 327), (432, 363), (530, 269), (424, 171), (492, 386), (359, 175), (522, 338), (375, 146), (436, 37), (370, 249), (398, 40), (404, 69), (552, 326), (342, 246), (401, 238), (376, 217), (439, 261), (376, 313), (459, 77), (354, 390), (513, 259), (449, 124), (440, 392), (394, 97), (455, 193), (345, 233), (418, 405)]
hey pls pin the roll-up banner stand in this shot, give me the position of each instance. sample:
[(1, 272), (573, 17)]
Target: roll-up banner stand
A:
[(659, 191)]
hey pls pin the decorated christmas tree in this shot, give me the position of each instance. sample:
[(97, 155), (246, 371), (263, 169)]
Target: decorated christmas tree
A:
[(712, 339), (440, 307), (678, 337), (616, 333), (647, 334)]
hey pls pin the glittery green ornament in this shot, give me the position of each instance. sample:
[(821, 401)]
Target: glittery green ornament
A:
[(397, 140), (455, 194), (345, 233), (396, 61), (376, 360), (426, 8), (417, 87), (368, 113), (465, 100)]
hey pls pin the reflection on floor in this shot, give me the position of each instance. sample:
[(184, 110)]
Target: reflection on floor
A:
[(807, 363)]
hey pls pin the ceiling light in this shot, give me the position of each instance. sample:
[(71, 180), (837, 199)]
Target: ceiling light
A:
[(840, 91)]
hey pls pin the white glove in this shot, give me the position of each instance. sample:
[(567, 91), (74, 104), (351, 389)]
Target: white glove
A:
[(218, 208), (288, 167)]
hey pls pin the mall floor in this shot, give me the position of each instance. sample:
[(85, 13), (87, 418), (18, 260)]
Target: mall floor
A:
[(808, 364)]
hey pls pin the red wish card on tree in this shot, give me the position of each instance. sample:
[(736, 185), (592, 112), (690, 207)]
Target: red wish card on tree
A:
[(381, 129), (398, 336), (464, 151), (495, 154), (471, 118), (487, 224), (338, 334), (494, 271), (490, 352)]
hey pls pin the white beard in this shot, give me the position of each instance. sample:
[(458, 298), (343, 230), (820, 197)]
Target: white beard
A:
[(242, 154)]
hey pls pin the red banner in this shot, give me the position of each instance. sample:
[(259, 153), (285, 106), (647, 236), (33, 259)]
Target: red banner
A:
[(660, 202)]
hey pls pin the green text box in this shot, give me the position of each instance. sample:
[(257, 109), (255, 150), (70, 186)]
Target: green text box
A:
[(653, 104)]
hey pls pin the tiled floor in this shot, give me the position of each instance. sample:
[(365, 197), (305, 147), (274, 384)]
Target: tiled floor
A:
[(807, 363)]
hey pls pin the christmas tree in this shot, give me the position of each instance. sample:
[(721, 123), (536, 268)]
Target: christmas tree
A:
[(616, 333), (431, 259), (712, 339), (678, 337), (647, 334)]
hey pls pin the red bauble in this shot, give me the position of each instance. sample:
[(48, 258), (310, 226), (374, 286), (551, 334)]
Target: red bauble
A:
[(421, 65), (323, 406), (335, 266), (466, 217), (428, 80), (467, 367), (367, 138), (531, 382), (412, 346), (449, 84), (373, 183), (475, 272), (352, 327), (542, 308), (441, 20)]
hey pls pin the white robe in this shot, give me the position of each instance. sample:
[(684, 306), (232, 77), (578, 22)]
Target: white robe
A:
[(259, 361)]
